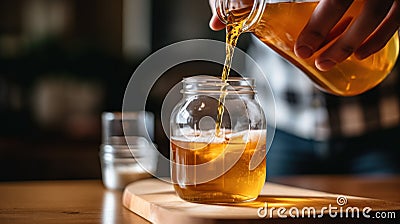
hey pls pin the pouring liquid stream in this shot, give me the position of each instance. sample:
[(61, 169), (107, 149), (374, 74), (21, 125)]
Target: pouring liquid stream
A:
[(233, 31), (279, 27)]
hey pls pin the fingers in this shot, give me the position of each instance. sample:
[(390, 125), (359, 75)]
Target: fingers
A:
[(382, 35), (325, 16), (337, 30), (371, 16), (370, 31)]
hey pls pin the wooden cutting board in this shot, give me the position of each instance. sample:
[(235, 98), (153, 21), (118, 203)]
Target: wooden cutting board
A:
[(157, 202)]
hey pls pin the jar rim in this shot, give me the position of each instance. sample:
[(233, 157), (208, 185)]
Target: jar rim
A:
[(214, 78), (213, 85)]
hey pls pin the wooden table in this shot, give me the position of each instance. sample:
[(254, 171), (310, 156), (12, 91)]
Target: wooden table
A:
[(62, 202), (379, 187), (89, 202)]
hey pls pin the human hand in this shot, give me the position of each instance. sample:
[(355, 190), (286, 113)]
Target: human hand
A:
[(371, 30), (369, 33)]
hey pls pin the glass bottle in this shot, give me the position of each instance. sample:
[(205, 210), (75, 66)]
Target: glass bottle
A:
[(211, 168), (278, 23)]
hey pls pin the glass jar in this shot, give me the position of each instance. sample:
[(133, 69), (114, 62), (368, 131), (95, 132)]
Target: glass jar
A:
[(278, 23), (216, 168), (125, 155), (123, 164)]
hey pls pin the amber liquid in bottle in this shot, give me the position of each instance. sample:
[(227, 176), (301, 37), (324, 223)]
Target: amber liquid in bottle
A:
[(279, 28)]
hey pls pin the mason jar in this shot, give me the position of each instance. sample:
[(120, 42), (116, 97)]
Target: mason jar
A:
[(224, 165)]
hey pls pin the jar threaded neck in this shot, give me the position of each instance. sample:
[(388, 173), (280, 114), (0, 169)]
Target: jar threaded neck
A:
[(213, 85)]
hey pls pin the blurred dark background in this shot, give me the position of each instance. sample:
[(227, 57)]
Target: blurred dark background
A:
[(64, 62)]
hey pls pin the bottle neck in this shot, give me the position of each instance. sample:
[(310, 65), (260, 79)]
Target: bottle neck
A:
[(238, 10)]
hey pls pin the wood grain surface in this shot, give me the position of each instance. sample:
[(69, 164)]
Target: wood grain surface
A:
[(87, 201), (62, 202), (157, 202)]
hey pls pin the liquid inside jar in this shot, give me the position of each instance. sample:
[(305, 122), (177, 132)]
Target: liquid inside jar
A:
[(229, 169)]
